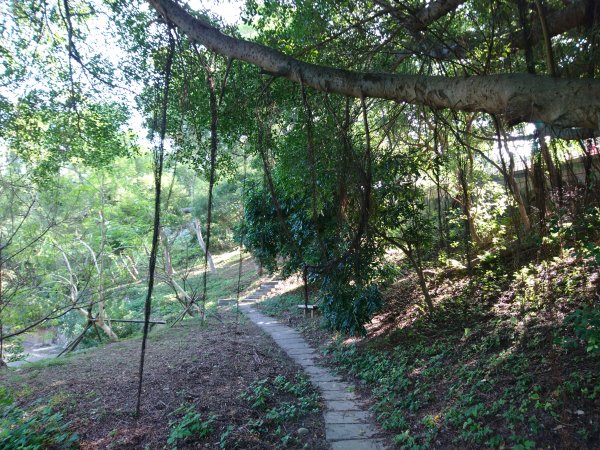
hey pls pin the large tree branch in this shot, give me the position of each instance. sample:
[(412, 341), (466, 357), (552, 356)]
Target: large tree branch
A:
[(430, 13), (558, 22), (516, 97), (421, 19)]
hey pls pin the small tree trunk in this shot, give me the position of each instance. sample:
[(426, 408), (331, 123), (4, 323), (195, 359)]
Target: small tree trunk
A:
[(101, 318), (416, 263), (540, 192), (104, 325), (555, 178), (305, 280), (515, 189), (198, 230), (167, 253), (131, 270), (1, 312)]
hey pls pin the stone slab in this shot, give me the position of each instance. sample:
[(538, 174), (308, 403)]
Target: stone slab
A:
[(358, 444), (347, 431), (343, 405), (333, 386), (337, 395), (300, 351), (296, 345), (322, 378), (289, 341), (347, 416), (347, 423), (317, 373)]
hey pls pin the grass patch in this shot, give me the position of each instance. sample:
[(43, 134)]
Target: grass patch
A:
[(284, 305)]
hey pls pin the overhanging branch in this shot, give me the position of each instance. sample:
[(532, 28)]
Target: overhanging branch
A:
[(516, 97)]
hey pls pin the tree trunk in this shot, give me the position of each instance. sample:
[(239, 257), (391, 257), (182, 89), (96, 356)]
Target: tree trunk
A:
[(539, 189), (416, 263), (131, 270), (509, 176), (198, 230), (105, 326), (555, 178), (100, 318), (1, 311), (514, 187), (181, 294), (167, 253)]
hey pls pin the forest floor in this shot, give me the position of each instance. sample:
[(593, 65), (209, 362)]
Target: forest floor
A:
[(227, 376), (502, 363)]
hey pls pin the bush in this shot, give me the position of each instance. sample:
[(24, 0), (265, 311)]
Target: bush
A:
[(348, 307)]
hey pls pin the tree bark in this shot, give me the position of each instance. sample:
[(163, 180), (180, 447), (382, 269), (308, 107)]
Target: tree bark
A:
[(131, 270), (516, 97), (516, 191), (1, 312), (183, 297), (166, 253), (100, 319), (420, 20), (198, 231), (557, 22), (430, 13)]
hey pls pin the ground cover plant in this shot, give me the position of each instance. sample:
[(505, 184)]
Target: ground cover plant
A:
[(509, 360), (40, 426)]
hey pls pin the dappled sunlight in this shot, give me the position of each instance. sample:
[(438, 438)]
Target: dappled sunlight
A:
[(430, 185)]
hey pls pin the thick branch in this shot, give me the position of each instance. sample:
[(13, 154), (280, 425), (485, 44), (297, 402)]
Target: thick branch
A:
[(420, 20), (516, 97), (430, 13), (558, 22)]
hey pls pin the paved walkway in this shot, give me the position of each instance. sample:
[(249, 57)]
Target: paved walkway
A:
[(348, 426)]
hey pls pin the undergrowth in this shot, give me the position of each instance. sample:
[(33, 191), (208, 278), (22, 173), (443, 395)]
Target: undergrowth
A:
[(38, 427), (277, 403), (510, 362)]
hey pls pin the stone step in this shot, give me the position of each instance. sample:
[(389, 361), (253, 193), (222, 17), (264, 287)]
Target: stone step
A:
[(226, 301), (347, 431), (359, 444)]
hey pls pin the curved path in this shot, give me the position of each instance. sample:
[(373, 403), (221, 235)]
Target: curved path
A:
[(348, 425)]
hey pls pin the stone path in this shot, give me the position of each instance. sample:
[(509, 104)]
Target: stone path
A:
[(348, 426), (265, 289)]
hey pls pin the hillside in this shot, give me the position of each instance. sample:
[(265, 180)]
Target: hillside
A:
[(508, 361)]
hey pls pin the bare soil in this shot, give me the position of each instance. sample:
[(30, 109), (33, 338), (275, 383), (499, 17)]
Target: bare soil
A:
[(205, 366)]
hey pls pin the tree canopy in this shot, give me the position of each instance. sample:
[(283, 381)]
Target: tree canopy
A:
[(355, 127)]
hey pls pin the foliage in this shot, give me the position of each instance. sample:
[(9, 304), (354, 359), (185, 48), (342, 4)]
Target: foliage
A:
[(40, 427), (481, 370), (348, 307), (586, 325), (190, 427), (261, 395)]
